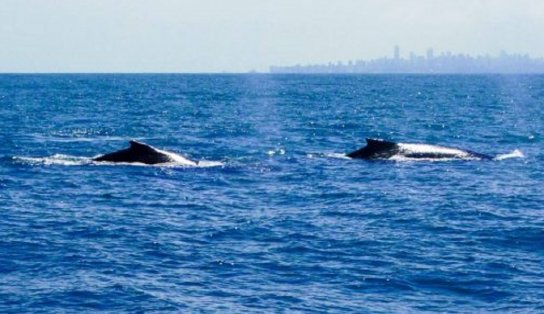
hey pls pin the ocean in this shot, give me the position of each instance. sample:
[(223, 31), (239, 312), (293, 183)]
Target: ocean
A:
[(274, 218)]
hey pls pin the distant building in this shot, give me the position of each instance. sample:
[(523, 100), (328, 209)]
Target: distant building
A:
[(430, 54), (443, 63)]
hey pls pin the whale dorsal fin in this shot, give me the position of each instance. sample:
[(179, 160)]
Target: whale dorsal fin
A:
[(375, 148), (141, 147)]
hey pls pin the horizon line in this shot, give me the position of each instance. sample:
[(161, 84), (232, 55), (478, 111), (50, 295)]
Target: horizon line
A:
[(271, 73)]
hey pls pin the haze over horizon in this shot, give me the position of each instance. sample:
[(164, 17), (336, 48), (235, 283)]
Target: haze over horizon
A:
[(242, 35)]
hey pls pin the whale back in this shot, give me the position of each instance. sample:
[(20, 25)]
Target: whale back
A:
[(137, 152), (375, 149), (381, 149)]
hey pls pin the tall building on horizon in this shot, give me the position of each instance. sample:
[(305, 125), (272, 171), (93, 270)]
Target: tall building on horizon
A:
[(397, 52), (430, 54)]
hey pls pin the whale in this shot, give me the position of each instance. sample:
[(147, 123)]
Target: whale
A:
[(377, 149), (144, 154)]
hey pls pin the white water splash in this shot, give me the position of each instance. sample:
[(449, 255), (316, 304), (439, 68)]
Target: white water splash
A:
[(178, 159), (277, 151), (209, 163), (68, 160), (336, 155), (57, 159), (514, 154), (401, 158)]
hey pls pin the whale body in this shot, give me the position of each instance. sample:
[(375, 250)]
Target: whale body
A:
[(145, 154), (382, 149)]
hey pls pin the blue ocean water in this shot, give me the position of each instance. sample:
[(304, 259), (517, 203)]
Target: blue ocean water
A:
[(278, 220)]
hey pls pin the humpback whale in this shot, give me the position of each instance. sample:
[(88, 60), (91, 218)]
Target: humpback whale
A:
[(381, 149), (145, 154)]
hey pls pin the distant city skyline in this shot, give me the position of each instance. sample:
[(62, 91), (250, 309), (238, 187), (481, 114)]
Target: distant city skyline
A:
[(445, 62)]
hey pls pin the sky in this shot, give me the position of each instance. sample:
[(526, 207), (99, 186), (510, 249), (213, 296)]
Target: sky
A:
[(194, 36)]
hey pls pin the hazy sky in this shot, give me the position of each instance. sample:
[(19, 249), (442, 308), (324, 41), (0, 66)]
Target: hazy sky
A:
[(240, 35)]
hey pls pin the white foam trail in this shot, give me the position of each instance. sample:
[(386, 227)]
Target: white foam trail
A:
[(400, 158), (514, 154), (57, 159), (209, 163), (178, 159), (68, 160), (277, 151), (336, 155)]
